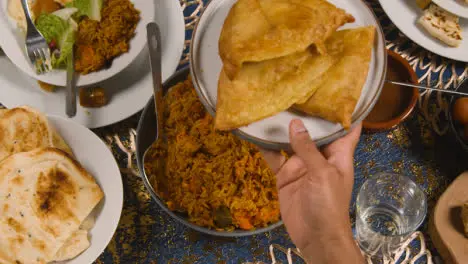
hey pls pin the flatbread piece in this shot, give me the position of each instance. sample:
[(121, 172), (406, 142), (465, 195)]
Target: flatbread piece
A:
[(24, 129), (442, 25), (44, 198)]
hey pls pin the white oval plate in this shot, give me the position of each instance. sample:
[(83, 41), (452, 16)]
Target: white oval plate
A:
[(98, 160), (12, 43), (272, 132), (404, 14), (129, 90), (456, 7)]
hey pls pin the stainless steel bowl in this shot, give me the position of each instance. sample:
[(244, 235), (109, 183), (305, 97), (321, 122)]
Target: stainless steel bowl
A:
[(144, 139)]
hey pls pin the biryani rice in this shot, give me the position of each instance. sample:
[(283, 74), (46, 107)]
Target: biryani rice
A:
[(199, 170)]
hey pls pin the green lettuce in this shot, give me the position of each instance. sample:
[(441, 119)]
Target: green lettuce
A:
[(63, 32), (51, 26), (89, 8), (65, 13), (65, 44)]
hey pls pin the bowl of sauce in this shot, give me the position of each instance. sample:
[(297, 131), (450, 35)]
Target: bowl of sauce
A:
[(396, 102)]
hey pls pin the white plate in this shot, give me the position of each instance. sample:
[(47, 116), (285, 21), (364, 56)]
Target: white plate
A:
[(456, 7), (13, 39), (272, 132), (98, 160), (404, 14), (129, 90)]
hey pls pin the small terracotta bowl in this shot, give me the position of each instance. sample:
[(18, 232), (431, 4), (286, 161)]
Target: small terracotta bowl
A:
[(407, 74)]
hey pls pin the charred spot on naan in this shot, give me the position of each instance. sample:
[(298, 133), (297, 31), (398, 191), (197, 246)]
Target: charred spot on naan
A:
[(6, 207), (77, 165), (18, 180), (15, 225), (15, 242), (51, 189), (39, 245)]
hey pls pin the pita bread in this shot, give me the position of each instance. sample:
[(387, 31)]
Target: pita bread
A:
[(259, 30), (266, 88), (44, 198), (339, 89), (24, 129)]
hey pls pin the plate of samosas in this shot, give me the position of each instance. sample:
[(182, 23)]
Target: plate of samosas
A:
[(258, 64)]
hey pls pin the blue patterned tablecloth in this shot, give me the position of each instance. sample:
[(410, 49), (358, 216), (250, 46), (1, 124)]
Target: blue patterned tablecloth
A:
[(148, 235)]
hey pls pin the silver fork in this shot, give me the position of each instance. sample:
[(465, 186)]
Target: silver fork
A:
[(36, 46)]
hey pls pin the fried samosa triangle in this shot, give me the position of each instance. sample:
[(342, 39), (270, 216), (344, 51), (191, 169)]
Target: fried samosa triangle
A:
[(339, 89), (266, 88), (259, 30), (325, 85)]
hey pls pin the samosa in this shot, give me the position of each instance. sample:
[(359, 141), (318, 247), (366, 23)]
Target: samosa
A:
[(259, 30), (325, 85)]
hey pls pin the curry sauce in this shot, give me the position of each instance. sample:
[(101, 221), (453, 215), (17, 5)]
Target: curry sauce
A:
[(394, 99)]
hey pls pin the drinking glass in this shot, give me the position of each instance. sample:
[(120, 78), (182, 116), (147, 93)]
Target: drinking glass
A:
[(389, 208)]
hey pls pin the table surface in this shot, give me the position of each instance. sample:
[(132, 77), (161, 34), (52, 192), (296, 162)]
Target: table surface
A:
[(148, 235)]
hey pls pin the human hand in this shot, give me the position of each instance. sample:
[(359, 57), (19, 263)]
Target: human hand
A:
[(315, 191)]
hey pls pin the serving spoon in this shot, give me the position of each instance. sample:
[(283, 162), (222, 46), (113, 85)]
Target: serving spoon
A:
[(154, 47), (463, 83), (222, 215)]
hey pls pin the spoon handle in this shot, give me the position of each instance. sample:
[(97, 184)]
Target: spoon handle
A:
[(154, 46), (428, 88), (70, 98)]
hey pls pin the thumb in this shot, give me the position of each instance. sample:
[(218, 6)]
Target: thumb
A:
[(304, 146)]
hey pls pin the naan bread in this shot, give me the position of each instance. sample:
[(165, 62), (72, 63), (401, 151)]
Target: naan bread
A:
[(24, 129), (442, 25), (44, 197), (259, 30), (78, 242), (266, 88), (339, 88)]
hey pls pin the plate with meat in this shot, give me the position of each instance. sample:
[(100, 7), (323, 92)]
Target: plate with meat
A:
[(105, 35), (105, 96)]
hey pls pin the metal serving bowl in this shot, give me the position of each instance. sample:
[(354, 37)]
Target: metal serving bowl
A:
[(144, 139)]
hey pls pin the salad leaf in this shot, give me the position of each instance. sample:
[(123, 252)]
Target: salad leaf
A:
[(65, 43), (65, 13), (89, 8), (51, 26)]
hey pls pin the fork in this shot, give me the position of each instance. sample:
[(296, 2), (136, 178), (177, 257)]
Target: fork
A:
[(36, 46)]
